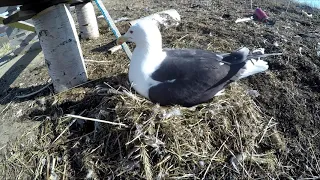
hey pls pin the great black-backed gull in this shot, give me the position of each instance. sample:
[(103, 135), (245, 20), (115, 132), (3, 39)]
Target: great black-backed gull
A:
[(185, 77)]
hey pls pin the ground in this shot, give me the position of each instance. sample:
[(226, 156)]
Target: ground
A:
[(236, 136)]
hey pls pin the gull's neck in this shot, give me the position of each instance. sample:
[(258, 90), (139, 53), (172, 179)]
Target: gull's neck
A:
[(146, 58)]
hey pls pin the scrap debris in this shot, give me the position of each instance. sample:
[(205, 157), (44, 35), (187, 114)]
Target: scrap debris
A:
[(306, 14), (258, 15), (244, 19)]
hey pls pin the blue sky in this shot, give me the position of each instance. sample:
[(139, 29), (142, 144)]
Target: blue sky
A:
[(312, 3)]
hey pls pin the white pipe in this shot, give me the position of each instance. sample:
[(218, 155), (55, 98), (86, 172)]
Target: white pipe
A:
[(87, 21), (61, 47)]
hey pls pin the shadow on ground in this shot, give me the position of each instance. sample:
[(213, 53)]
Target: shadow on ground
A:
[(79, 105), (14, 72), (76, 101)]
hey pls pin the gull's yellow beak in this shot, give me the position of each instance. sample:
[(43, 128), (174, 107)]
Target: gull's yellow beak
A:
[(121, 40)]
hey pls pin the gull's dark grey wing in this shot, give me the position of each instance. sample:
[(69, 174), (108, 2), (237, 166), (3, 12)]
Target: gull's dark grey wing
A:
[(192, 76), (236, 57)]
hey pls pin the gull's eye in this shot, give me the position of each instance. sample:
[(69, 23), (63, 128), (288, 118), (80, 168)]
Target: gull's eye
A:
[(131, 31)]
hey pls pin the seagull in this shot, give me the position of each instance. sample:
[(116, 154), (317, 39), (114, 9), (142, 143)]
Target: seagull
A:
[(185, 77)]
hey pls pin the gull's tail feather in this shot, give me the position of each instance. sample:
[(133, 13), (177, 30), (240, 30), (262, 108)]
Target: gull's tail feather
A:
[(253, 67), (254, 64), (255, 56)]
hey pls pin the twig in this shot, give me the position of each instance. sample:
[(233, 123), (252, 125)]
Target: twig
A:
[(215, 154), (184, 176), (66, 129), (48, 167), (53, 166), (138, 136), (87, 60), (96, 120), (313, 178), (64, 171), (6, 107), (3, 147), (39, 169), (183, 37), (5, 97), (239, 163), (315, 157), (163, 161), (41, 165), (265, 130), (122, 19), (315, 134)]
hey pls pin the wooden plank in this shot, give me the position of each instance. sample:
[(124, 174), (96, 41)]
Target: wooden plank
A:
[(113, 26), (20, 24)]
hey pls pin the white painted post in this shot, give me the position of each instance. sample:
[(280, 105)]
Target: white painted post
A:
[(61, 47), (87, 21)]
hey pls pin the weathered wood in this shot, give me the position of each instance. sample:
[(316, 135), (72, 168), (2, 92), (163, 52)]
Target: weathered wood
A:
[(114, 49), (61, 47), (165, 19)]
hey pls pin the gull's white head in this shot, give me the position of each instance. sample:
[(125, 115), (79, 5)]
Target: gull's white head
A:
[(144, 33)]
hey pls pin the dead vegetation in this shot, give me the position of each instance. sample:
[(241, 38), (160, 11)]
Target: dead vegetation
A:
[(236, 136), (141, 140)]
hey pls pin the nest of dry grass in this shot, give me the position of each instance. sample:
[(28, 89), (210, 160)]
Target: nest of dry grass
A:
[(127, 137), (221, 139)]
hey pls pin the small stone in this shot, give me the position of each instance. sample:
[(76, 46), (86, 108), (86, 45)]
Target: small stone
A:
[(201, 163), (19, 113), (253, 93), (41, 101)]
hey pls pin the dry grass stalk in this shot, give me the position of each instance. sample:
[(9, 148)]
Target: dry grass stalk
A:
[(176, 145), (96, 120)]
